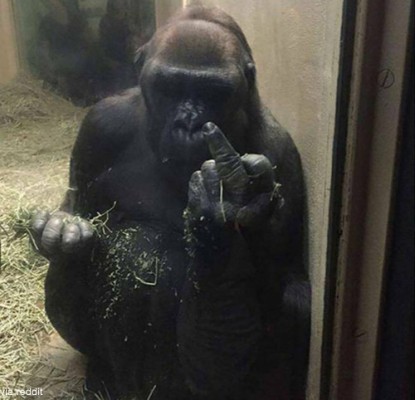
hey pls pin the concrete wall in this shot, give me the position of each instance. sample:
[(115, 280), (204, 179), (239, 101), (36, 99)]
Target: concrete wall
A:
[(9, 59), (27, 16), (165, 9), (296, 48)]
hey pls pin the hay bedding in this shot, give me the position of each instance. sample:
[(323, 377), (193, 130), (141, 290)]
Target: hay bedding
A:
[(37, 130)]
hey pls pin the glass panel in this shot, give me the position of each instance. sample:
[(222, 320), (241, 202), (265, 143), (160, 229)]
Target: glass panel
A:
[(180, 292), (83, 50)]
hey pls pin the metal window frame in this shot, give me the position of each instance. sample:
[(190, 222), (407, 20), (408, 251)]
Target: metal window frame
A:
[(372, 90)]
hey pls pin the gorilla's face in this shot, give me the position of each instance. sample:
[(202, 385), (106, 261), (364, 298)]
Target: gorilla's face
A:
[(194, 74)]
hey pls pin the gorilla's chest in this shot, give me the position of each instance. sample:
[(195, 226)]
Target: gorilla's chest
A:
[(136, 276), (139, 192), (137, 269)]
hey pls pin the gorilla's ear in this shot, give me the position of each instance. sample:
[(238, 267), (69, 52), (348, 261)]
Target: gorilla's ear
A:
[(250, 73), (140, 58)]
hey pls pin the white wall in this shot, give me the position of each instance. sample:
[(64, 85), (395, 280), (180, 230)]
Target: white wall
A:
[(296, 48)]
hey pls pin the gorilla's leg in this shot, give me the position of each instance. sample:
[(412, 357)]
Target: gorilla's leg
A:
[(280, 372), (67, 303), (99, 382), (70, 310), (296, 318)]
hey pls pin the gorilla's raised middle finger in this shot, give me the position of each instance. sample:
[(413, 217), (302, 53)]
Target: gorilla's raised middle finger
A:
[(228, 161)]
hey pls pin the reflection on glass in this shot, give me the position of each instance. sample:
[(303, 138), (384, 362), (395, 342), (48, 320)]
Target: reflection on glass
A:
[(84, 50), (175, 260)]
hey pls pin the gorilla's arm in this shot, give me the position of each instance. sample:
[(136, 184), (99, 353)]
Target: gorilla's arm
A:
[(235, 203), (66, 237), (280, 254), (107, 128)]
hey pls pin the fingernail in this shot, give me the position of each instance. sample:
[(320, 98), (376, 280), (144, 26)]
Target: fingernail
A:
[(208, 128)]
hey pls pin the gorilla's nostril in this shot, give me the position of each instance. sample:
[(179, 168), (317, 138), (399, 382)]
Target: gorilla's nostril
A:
[(209, 127), (189, 122), (182, 123)]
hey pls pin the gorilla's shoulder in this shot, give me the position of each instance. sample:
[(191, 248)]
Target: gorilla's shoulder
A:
[(113, 120), (275, 141), (116, 110)]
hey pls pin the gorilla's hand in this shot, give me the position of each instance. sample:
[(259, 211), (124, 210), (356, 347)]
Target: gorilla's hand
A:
[(230, 190), (60, 233)]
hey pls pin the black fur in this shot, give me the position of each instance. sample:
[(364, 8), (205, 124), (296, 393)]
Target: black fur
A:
[(185, 308)]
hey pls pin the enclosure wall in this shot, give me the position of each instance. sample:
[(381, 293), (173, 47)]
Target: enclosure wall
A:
[(9, 62)]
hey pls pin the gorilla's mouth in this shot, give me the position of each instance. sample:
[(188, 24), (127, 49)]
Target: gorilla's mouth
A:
[(186, 137), (184, 146)]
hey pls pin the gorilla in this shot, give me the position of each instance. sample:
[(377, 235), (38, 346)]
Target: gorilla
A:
[(196, 289)]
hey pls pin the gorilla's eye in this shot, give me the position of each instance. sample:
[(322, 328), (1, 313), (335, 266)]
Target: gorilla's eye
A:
[(168, 87), (218, 93)]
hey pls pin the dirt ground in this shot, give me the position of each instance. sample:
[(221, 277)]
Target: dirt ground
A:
[(37, 131)]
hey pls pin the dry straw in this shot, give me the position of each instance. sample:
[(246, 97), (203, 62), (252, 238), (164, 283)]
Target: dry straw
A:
[(37, 130)]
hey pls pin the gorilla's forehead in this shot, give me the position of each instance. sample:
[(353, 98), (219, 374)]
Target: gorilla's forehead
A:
[(198, 43), (224, 76)]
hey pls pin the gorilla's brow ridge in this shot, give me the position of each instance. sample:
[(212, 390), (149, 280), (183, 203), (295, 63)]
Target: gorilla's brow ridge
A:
[(217, 77), (215, 16)]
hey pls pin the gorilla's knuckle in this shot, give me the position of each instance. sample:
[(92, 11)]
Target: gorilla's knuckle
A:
[(196, 185), (263, 161), (86, 229), (256, 164), (71, 230), (39, 221), (208, 165), (195, 179), (52, 232), (53, 226), (49, 240)]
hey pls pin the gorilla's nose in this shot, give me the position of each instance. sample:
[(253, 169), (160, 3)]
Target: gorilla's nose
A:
[(189, 117)]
